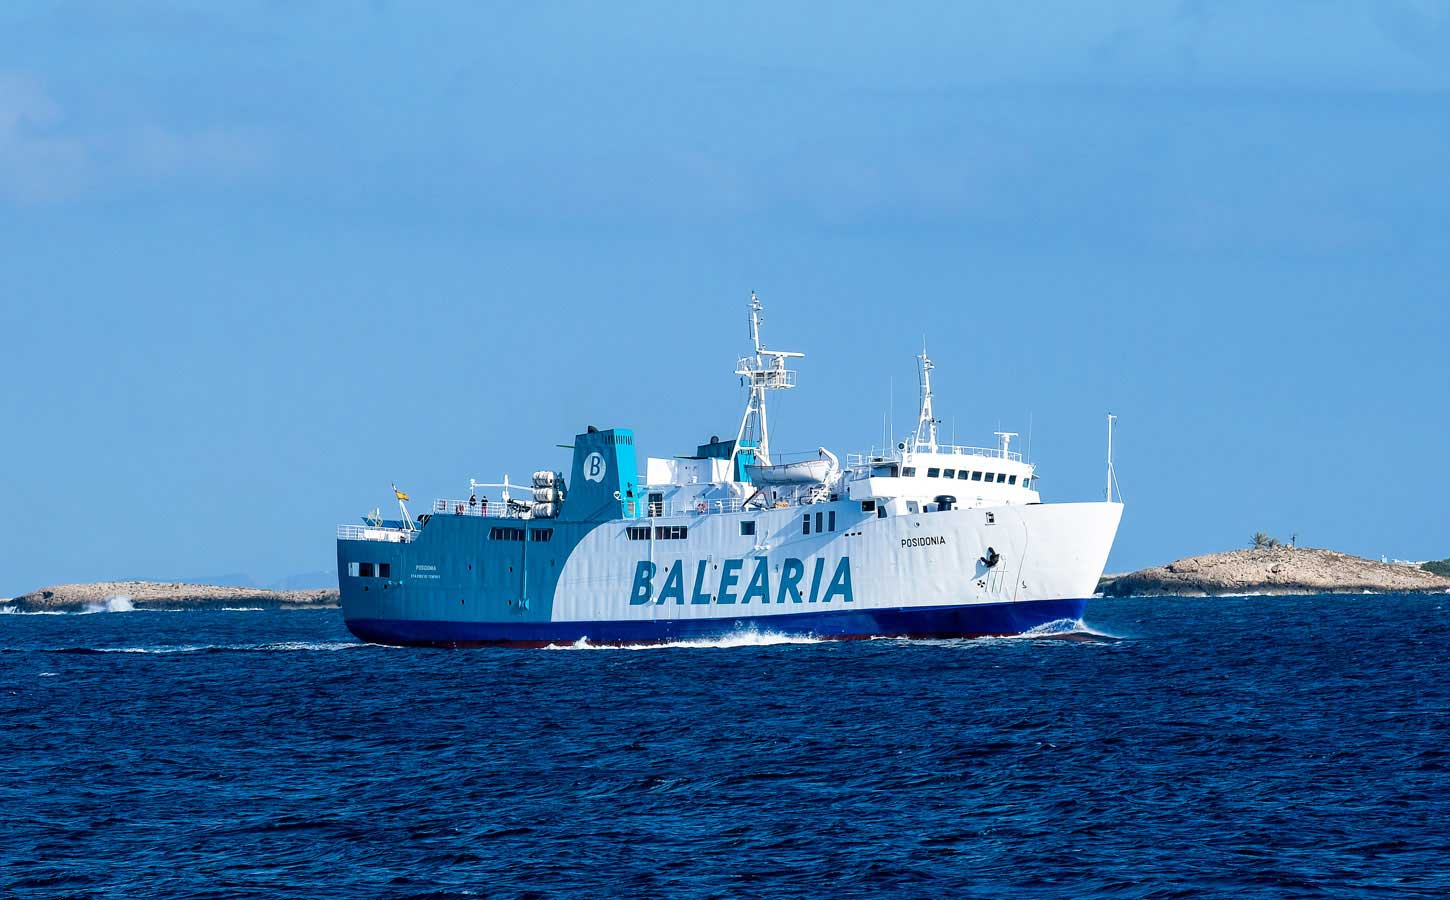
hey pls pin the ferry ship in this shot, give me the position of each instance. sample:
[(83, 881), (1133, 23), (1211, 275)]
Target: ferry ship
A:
[(921, 539)]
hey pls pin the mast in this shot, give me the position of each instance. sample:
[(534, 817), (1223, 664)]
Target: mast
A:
[(1111, 477), (926, 423), (403, 508), (766, 371)]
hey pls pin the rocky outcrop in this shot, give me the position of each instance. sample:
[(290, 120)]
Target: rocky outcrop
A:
[(124, 595), (1282, 570)]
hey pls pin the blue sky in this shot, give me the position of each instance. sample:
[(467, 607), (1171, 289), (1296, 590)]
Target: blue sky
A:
[(261, 259)]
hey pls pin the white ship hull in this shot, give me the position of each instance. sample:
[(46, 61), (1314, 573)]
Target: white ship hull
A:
[(910, 575)]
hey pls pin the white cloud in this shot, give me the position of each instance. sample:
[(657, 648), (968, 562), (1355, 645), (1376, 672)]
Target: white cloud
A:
[(46, 159), (36, 164)]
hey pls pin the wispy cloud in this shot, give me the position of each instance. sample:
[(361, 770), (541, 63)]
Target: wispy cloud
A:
[(37, 165), (45, 158)]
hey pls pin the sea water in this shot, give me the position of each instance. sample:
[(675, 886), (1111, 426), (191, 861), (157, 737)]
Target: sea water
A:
[(1245, 747)]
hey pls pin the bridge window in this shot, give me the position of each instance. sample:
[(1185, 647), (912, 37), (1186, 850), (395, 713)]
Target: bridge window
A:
[(505, 534), (820, 519), (352, 569), (908, 472), (385, 570), (747, 526), (637, 532), (963, 475), (1011, 479), (976, 476), (1001, 477), (831, 520), (541, 534), (883, 471), (806, 524), (868, 506), (933, 473), (365, 570), (881, 512), (949, 473), (671, 532)]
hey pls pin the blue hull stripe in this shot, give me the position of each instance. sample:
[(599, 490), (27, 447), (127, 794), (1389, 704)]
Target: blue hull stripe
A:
[(974, 620)]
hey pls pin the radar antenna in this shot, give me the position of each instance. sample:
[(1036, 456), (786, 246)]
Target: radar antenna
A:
[(926, 423), (764, 371)]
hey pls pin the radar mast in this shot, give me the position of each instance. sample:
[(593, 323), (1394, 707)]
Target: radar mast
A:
[(925, 439), (764, 371)]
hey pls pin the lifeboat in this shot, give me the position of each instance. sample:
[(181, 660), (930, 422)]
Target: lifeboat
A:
[(807, 471)]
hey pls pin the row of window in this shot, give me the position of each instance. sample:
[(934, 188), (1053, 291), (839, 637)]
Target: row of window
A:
[(891, 471), (370, 570), (661, 533), (824, 522), (504, 533)]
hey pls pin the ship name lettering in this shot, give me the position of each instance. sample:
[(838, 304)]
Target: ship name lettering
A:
[(930, 540), (742, 581)]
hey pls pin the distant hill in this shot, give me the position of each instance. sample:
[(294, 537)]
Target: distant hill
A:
[(1279, 570), (307, 581), (235, 579)]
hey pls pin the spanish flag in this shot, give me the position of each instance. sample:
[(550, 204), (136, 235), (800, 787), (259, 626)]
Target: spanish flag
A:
[(401, 495)]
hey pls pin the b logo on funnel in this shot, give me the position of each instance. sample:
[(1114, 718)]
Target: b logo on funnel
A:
[(594, 467)]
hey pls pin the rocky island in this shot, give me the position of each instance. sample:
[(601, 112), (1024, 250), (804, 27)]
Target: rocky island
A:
[(118, 596), (1274, 570)]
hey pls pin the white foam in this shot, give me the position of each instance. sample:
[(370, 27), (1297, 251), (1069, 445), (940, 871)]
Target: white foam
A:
[(1058, 629), (306, 645), (280, 647), (114, 603), (725, 642)]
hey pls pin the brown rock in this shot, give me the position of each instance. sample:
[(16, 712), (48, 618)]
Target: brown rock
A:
[(1277, 571)]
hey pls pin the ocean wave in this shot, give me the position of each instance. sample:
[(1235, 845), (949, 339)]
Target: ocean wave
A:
[(278, 647), (117, 603), (1062, 628), (1057, 630)]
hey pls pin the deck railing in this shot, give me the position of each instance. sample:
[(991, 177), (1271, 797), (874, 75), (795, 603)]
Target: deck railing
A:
[(666, 508), (856, 460), (482, 506), (375, 533)]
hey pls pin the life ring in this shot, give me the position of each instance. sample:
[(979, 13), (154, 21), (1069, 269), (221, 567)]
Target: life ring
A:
[(701, 507)]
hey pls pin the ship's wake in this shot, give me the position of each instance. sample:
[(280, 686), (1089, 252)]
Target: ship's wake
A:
[(1063, 630), (1068, 630), (1060, 630), (724, 642)]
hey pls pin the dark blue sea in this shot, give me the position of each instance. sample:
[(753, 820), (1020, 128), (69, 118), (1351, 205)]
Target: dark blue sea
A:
[(1244, 747)]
